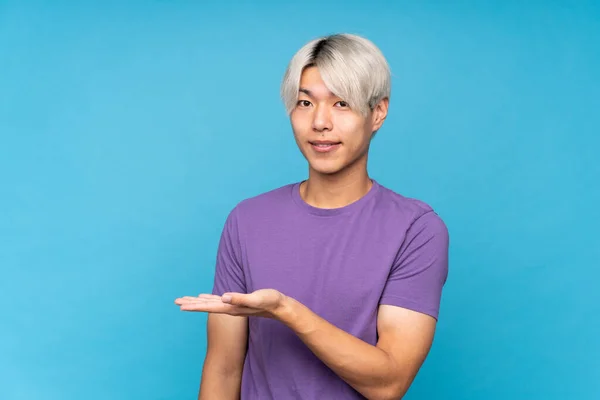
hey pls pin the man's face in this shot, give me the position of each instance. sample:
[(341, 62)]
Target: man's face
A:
[(331, 136)]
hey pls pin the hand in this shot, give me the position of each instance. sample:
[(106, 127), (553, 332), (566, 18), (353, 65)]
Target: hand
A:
[(261, 303)]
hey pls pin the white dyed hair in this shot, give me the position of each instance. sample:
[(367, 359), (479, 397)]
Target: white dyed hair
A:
[(352, 68)]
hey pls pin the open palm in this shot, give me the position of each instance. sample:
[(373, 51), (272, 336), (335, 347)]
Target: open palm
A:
[(261, 303)]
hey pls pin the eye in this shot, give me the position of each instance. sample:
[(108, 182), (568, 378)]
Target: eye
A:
[(303, 103), (342, 104)]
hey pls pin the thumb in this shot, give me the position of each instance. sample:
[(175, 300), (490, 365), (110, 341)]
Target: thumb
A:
[(236, 299)]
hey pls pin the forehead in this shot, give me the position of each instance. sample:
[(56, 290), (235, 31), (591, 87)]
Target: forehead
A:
[(312, 82)]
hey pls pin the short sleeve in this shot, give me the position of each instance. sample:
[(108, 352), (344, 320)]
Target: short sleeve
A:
[(229, 273), (421, 267)]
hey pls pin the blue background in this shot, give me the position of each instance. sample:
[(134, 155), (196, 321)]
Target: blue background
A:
[(128, 130)]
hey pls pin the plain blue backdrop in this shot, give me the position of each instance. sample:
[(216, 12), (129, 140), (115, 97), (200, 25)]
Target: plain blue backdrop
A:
[(128, 131)]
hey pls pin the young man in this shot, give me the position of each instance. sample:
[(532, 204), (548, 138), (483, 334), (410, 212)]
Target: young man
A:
[(327, 288)]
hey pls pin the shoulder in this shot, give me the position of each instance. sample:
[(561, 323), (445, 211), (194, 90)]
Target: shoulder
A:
[(412, 212), (264, 204)]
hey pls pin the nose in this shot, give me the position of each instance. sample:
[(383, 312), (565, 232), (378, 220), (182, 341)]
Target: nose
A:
[(322, 119)]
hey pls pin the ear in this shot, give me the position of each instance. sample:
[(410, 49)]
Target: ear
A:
[(379, 113)]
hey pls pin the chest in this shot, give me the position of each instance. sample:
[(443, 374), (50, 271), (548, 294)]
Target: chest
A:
[(333, 267)]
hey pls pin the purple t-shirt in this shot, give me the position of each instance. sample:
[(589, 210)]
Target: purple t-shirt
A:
[(341, 263)]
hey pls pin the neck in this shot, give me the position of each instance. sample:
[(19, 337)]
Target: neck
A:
[(337, 190)]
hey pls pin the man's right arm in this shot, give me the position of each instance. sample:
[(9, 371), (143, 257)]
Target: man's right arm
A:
[(227, 338)]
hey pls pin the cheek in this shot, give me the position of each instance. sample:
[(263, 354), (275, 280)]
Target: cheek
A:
[(354, 134), (299, 126)]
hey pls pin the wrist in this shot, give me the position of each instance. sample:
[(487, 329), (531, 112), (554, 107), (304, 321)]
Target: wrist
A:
[(295, 316), (284, 309)]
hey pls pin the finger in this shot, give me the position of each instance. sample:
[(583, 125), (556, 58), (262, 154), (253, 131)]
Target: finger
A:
[(189, 299), (205, 306), (198, 301), (217, 308), (201, 296), (208, 296)]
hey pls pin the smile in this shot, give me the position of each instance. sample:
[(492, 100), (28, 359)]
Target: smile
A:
[(325, 147)]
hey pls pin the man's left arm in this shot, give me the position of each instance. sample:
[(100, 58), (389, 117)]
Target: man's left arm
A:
[(384, 371), (406, 320)]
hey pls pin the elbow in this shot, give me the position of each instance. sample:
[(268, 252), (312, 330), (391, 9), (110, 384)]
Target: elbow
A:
[(392, 391)]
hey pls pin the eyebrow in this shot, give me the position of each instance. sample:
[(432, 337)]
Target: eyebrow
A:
[(310, 94)]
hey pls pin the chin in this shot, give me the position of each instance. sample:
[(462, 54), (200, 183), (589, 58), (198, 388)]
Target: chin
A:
[(322, 169)]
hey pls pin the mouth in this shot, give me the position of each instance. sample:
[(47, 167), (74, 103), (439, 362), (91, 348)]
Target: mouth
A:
[(324, 146)]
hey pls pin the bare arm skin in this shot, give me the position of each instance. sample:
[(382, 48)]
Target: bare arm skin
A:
[(226, 350)]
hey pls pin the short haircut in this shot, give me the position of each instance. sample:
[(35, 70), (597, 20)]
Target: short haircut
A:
[(352, 67)]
